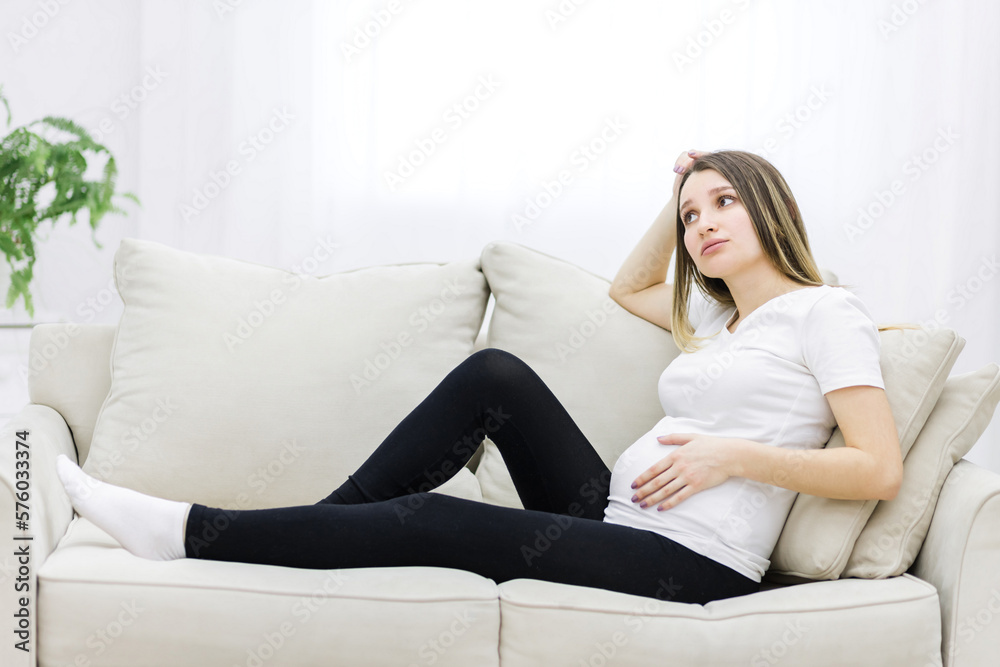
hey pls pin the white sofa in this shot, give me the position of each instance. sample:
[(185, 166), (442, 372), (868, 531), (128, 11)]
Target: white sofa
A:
[(238, 385)]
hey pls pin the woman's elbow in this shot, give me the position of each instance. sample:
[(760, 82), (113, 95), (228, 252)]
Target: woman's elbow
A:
[(891, 482)]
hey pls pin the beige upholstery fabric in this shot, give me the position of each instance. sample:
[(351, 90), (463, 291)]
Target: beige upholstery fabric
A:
[(49, 512), (959, 557), (543, 303), (896, 529), (103, 606), (820, 624), (242, 386), (72, 355)]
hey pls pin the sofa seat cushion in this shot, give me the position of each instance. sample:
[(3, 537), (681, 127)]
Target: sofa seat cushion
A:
[(886, 622), (100, 605)]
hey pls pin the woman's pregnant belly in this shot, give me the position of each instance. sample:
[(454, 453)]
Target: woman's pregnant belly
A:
[(706, 515)]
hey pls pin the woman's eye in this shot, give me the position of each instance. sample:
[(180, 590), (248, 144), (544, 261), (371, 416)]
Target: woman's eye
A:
[(687, 217), (729, 197)]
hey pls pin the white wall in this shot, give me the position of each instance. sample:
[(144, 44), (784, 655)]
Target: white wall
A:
[(847, 99)]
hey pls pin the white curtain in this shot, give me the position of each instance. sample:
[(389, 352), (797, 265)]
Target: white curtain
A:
[(325, 136)]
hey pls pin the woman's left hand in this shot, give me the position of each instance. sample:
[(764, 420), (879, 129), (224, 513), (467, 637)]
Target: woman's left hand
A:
[(703, 461)]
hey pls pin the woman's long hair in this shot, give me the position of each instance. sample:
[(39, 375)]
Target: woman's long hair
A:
[(777, 222)]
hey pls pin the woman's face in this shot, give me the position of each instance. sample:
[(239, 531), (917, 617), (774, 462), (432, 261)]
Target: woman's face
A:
[(710, 209)]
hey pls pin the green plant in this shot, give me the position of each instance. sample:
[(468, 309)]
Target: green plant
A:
[(42, 180)]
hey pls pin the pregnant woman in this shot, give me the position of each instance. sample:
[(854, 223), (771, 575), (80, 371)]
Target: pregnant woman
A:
[(772, 359)]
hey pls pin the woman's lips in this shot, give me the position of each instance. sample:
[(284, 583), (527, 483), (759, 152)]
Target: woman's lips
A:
[(712, 248)]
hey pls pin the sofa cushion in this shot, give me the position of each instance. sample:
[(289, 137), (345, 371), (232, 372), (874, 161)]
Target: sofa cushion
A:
[(891, 539), (237, 385), (557, 317), (893, 622), (99, 604), (600, 361)]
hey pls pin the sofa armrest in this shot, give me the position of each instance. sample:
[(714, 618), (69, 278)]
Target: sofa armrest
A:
[(50, 513), (959, 557)]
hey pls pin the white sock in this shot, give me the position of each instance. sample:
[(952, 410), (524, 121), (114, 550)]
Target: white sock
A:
[(147, 526)]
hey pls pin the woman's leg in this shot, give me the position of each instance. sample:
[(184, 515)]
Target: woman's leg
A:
[(492, 393), (432, 529)]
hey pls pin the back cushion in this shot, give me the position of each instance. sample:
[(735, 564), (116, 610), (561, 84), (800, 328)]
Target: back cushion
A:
[(241, 386), (893, 535), (599, 360), (603, 364)]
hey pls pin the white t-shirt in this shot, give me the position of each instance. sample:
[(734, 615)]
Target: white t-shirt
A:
[(765, 382)]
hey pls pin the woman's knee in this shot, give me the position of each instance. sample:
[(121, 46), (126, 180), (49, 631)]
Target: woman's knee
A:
[(500, 366), (427, 508)]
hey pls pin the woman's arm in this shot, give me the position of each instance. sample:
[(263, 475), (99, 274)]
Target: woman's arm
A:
[(639, 286), (870, 466)]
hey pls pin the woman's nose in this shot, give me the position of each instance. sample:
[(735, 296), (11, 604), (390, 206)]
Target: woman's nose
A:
[(706, 222)]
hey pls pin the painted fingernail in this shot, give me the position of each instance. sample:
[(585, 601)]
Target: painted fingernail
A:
[(634, 485), (642, 504), (678, 169), (635, 497), (692, 152)]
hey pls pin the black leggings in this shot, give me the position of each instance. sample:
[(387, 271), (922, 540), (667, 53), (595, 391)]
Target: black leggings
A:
[(383, 516)]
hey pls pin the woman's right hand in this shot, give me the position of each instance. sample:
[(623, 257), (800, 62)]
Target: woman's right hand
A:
[(683, 163)]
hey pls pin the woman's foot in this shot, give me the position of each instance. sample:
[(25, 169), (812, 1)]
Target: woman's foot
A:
[(149, 527)]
